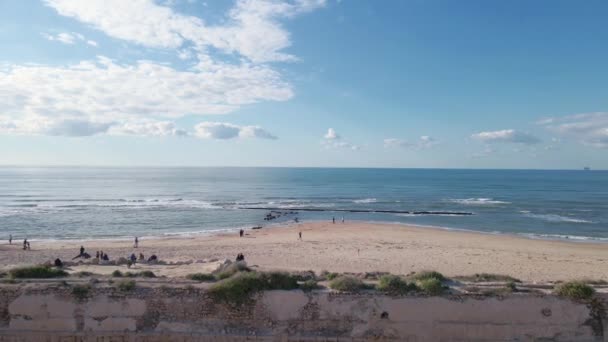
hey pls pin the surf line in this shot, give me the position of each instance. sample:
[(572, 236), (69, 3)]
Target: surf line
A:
[(455, 213)]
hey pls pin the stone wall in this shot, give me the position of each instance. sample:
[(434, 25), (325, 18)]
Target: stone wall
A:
[(54, 313)]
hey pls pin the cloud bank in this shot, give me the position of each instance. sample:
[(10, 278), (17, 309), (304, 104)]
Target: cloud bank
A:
[(506, 136)]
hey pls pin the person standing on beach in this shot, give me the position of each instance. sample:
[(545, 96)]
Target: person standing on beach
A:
[(10, 239), (333, 220), (342, 219), (299, 235), (24, 244), (136, 242)]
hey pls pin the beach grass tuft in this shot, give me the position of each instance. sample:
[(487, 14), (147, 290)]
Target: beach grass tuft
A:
[(347, 284), (126, 285), (393, 284), (81, 292), (117, 274), (425, 275), (431, 286), (201, 277), (309, 285), (575, 290), (231, 270), (487, 277), (39, 272), (239, 287)]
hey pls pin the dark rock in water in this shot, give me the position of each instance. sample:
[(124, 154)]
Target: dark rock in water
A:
[(257, 227)]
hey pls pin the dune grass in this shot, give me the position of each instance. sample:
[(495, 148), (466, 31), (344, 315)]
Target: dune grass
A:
[(575, 290), (126, 285), (393, 284), (487, 277), (242, 285), (424, 275), (347, 284), (37, 272), (201, 277)]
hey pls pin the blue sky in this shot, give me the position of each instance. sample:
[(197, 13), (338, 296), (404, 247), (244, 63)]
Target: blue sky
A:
[(465, 84)]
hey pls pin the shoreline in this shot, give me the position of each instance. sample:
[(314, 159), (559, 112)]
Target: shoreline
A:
[(353, 247), (223, 231)]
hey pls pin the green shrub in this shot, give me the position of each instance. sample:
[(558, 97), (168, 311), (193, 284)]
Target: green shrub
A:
[(281, 281), (309, 285), (487, 277), (424, 275), (126, 285), (146, 274), (39, 272), (201, 277), (347, 284), (242, 285), (231, 270), (117, 274), (575, 290), (332, 276), (431, 286), (81, 292), (511, 286), (83, 274), (395, 285)]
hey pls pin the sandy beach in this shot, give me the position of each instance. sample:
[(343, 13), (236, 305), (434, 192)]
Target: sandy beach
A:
[(349, 247)]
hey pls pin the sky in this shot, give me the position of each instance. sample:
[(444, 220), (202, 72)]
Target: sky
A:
[(319, 83)]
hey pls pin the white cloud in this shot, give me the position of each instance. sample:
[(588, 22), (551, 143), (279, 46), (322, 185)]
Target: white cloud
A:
[(104, 90), (588, 128), (331, 139), (331, 134), (423, 142), (225, 131), (506, 136), (69, 38), (147, 128), (54, 127), (252, 30)]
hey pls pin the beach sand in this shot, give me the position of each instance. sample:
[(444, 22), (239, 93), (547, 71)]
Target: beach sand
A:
[(350, 247)]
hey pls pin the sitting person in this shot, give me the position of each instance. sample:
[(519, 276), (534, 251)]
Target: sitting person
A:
[(58, 263), (133, 258), (142, 257), (106, 257), (240, 257), (153, 258)]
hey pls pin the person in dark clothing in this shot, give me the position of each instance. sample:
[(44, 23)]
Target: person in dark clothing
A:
[(153, 258), (24, 244), (240, 257), (241, 232), (97, 254), (81, 250), (58, 263)]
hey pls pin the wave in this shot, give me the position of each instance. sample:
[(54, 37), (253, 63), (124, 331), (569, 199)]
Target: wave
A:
[(477, 201), (562, 237), (556, 218), (365, 200)]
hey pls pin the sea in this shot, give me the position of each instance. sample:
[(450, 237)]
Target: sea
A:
[(57, 203)]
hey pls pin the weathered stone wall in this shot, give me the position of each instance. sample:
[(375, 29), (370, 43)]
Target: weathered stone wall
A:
[(188, 314)]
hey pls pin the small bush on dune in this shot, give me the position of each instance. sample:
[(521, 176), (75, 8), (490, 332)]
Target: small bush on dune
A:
[(347, 284), (575, 290), (81, 292), (146, 274), (487, 277), (117, 274), (201, 277), (39, 272), (242, 285), (126, 285), (431, 286), (83, 274), (424, 275), (231, 270), (309, 285), (395, 285)]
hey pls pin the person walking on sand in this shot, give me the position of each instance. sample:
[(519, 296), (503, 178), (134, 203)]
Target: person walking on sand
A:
[(300, 235), (10, 239), (136, 244), (333, 220), (24, 244)]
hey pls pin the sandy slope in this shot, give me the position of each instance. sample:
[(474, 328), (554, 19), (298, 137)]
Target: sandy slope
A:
[(353, 247)]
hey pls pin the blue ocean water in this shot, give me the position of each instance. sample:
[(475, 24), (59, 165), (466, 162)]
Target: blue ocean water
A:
[(82, 203)]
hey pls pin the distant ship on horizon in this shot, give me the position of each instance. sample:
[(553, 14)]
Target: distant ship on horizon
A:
[(587, 168)]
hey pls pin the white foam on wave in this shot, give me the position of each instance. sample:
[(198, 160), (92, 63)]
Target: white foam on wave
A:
[(365, 200), (556, 218), (477, 201), (563, 237)]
